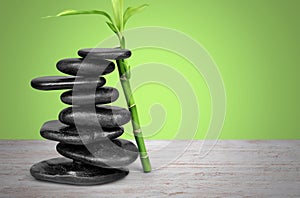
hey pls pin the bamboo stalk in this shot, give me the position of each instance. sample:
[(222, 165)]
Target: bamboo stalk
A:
[(137, 131)]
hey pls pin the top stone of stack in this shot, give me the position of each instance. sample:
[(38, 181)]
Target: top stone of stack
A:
[(105, 53)]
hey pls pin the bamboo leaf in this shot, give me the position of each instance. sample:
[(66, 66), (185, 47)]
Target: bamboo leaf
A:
[(80, 12), (112, 27), (118, 7), (132, 11), (128, 69)]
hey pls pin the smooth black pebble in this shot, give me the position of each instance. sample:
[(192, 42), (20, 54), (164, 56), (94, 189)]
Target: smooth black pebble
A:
[(88, 67), (57, 131), (66, 82), (106, 116), (65, 171), (110, 153), (105, 53), (102, 95)]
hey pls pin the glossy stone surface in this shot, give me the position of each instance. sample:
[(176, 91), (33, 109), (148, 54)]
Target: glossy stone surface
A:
[(65, 171), (106, 116), (65, 82), (89, 67), (115, 153), (57, 131), (103, 95), (105, 53)]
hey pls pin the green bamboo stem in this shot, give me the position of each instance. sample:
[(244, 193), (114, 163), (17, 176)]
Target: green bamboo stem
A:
[(137, 131)]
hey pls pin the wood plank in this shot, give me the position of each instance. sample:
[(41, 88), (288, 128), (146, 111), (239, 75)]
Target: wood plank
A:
[(230, 169)]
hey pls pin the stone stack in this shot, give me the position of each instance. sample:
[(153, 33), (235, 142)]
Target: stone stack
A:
[(88, 131)]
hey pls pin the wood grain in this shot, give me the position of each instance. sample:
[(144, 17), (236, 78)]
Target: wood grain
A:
[(230, 169)]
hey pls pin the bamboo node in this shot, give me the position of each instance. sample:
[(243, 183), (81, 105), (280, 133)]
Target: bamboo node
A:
[(132, 106), (144, 156), (137, 131), (123, 77)]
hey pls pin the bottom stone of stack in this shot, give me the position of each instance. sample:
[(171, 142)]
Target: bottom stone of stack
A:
[(67, 171)]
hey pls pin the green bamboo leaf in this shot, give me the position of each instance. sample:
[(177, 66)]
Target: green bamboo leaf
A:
[(118, 8), (132, 11), (128, 70), (112, 27), (80, 12)]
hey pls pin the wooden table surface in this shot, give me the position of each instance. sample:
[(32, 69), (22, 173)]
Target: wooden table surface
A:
[(230, 169)]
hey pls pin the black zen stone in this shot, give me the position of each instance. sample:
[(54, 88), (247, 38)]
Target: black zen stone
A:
[(89, 67), (106, 116), (114, 153), (55, 130), (65, 171), (102, 95), (105, 53), (65, 82)]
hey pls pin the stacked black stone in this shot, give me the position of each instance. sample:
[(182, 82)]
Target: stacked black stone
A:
[(87, 131)]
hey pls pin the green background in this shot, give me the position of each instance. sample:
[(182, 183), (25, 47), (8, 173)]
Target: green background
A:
[(255, 44)]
